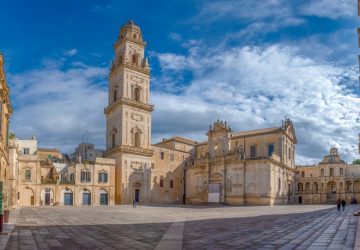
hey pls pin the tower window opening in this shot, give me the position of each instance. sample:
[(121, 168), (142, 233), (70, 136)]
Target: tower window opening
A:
[(113, 140), (137, 94), (137, 139), (135, 59), (115, 96)]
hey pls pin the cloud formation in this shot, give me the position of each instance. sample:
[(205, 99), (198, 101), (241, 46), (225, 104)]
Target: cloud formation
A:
[(58, 106), (255, 87)]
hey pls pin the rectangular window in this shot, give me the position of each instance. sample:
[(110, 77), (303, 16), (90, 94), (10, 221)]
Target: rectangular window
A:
[(253, 151), (103, 177), (85, 176), (152, 165), (171, 157), (162, 155), (26, 151), (28, 175), (161, 182), (72, 177), (171, 184), (331, 172), (302, 174), (270, 149)]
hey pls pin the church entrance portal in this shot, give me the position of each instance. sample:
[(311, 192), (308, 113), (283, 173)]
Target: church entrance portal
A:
[(137, 195)]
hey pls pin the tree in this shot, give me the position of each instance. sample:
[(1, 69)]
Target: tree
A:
[(357, 161)]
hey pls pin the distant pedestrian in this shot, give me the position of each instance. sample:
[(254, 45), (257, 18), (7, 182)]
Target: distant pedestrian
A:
[(338, 204), (343, 203), (134, 203)]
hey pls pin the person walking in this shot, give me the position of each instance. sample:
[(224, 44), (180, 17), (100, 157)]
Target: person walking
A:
[(134, 203), (343, 203), (338, 204)]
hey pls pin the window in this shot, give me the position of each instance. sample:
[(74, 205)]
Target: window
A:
[(137, 139), (341, 171), (134, 36), (322, 172), (171, 184), (331, 172), (113, 140), (28, 175), (135, 59), (26, 151), (289, 153), (120, 59), (137, 94), (115, 95), (72, 177), (302, 174), (279, 184), (171, 157), (152, 165), (103, 177), (161, 182), (162, 155), (85, 176), (253, 151), (270, 149)]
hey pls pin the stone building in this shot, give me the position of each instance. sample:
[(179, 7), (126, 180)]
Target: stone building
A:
[(6, 174), (254, 167), (43, 177), (328, 181)]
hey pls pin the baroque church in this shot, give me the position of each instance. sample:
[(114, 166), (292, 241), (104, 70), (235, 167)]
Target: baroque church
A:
[(255, 167)]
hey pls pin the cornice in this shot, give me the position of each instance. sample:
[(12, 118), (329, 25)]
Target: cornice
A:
[(129, 150), (123, 65), (128, 102)]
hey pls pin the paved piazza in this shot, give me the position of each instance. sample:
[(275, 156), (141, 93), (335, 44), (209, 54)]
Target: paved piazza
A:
[(225, 227)]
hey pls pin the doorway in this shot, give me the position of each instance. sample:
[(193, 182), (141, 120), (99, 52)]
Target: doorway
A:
[(300, 200), (86, 198), (103, 199), (137, 195), (68, 199), (47, 198)]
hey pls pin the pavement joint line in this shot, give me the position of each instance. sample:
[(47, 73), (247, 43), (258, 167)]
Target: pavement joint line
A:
[(357, 239)]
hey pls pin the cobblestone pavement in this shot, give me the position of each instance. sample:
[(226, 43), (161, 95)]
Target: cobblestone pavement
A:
[(149, 227)]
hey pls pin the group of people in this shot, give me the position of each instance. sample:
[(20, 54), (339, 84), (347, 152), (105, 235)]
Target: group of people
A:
[(340, 203)]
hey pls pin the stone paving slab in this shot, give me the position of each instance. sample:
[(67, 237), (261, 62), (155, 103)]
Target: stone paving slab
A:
[(184, 227)]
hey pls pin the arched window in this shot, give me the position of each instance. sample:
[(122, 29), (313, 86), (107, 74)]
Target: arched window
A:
[(134, 36), (135, 59), (171, 184), (279, 184), (113, 140), (115, 95), (137, 94), (137, 139), (322, 172), (341, 171), (120, 59)]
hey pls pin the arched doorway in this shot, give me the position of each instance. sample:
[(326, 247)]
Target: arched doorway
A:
[(103, 197), (86, 198), (27, 197), (68, 197), (47, 197), (331, 191), (137, 188)]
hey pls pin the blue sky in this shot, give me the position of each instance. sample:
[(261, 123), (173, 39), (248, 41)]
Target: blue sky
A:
[(248, 62)]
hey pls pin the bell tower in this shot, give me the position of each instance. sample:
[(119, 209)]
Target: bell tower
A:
[(128, 116)]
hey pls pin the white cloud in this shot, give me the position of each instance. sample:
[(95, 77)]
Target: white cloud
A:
[(253, 87), (71, 52), (59, 106), (330, 8)]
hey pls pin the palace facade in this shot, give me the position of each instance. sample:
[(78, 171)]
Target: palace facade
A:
[(328, 181)]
